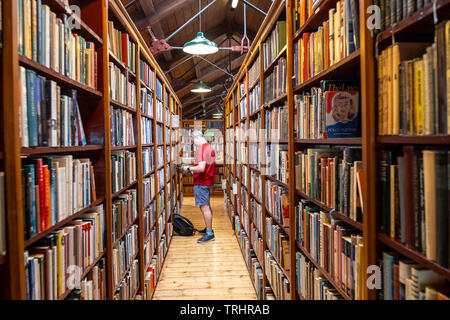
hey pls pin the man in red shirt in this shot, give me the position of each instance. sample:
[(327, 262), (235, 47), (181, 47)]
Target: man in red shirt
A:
[(203, 172)]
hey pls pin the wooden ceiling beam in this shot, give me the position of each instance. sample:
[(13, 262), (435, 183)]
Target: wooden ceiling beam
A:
[(165, 9)]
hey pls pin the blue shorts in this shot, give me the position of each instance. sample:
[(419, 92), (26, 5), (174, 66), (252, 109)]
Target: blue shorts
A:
[(201, 194)]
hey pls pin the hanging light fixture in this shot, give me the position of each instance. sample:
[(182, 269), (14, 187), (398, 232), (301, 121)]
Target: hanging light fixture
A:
[(234, 3), (201, 87), (200, 45)]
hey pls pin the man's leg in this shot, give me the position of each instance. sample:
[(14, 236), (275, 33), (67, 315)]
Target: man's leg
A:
[(207, 215)]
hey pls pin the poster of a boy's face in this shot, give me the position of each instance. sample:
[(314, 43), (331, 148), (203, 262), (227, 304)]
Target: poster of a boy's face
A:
[(344, 108)]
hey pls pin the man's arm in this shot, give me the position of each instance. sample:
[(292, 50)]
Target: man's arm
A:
[(198, 168)]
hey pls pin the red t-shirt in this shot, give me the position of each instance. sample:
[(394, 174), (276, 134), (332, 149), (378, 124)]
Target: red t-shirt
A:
[(205, 153)]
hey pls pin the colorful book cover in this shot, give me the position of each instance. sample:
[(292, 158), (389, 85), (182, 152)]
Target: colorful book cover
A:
[(342, 114)]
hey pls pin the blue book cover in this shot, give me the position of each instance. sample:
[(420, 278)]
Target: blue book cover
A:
[(342, 114), (44, 40), (31, 103), (388, 275), (31, 277)]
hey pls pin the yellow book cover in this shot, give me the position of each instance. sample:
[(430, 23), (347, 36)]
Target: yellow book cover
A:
[(380, 92), (387, 115), (337, 32), (418, 96), (429, 173), (60, 264), (27, 28), (33, 35), (302, 12), (395, 91), (316, 53), (427, 88), (331, 35), (410, 84)]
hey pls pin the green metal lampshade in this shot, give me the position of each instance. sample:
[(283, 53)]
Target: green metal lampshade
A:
[(201, 87), (200, 45)]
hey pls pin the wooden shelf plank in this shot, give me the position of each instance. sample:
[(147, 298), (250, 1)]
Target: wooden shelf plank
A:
[(122, 106), (63, 81), (413, 255), (338, 70), (426, 140), (123, 147), (115, 194), (60, 224), (51, 150), (335, 141)]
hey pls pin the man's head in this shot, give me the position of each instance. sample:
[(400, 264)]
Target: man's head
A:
[(197, 135)]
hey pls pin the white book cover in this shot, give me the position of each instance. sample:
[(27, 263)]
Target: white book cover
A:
[(23, 102)]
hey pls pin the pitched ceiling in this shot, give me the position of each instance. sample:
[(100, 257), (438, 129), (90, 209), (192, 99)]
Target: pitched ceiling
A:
[(219, 24)]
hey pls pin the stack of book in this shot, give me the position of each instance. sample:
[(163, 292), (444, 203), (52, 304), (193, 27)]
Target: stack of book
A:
[(255, 99), (55, 187), (336, 39), (149, 218), (311, 283), (147, 75), (124, 212), (257, 276), (146, 102), (334, 245), (129, 284), (50, 262), (93, 287), (275, 123), (121, 90), (278, 281), (159, 89), (124, 253), (256, 214), (277, 202), (48, 39), (150, 246), (275, 82), (333, 177), (50, 116), (412, 89), (254, 71), (277, 162), (403, 279), (146, 130), (275, 42), (151, 276), (256, 184), (278, 243), (329, 111), (414, 200), (159, 134), (257, 242), (122, 47), (148, 160), (148, 186), (123, 165), (122, 128), (243, 108)]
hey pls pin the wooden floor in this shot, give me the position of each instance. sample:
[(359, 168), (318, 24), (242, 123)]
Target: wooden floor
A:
[(212, 270)]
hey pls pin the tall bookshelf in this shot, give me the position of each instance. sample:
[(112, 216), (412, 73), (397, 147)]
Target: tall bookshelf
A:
[(96, 106), (214, 134), (360, 66)]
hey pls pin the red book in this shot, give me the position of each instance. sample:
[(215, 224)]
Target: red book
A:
[(47, 202), (41, 187), (125, 42), (408, 154), (306, 56)]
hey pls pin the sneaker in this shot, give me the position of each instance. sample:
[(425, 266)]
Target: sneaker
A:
[(206, 237), (203, 231)]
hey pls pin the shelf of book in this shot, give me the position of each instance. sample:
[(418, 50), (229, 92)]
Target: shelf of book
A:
[(61, 80), (274, 62), (124, 147), (53, 150), (415, 140), (330, 141), (122, 106), (275, 102), (339, 70), (323, 272), (62, 223), (126, 270), (417, 24), (414, 255)]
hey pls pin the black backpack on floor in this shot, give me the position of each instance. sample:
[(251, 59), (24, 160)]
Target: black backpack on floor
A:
[(182, 226)]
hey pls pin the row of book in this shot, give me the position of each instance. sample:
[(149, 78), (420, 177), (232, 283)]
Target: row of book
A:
[(93, 286), (159, 156), (275, 82), (148, 186), (49, 115), (256, 214), (333, 177), (55, 263), (146, 102), (404, 279), (275, 122), (311, 283), (333, 244), (159, 90), (122, 128), (412, 89), (256, 184), (257, 242), (148, 160), (55, 187), (129, 285), (254, 71), (329, 111), (121, 89), (414, 202), (278, 243), (255, 99), (121, 46), (47, 38), (277, 162), (159, 134), (254, 150), (123, 254), (242, 88), (149, 243), (394, 11), (146, 130), (123, 165), (147, 75), (149, 219), (277, 202), (243, 108), (277, 279), (336, 39), (274, 43), (124, 212)]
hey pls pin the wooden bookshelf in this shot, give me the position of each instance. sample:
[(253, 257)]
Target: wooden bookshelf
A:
[(95, 108), (358, 65)]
